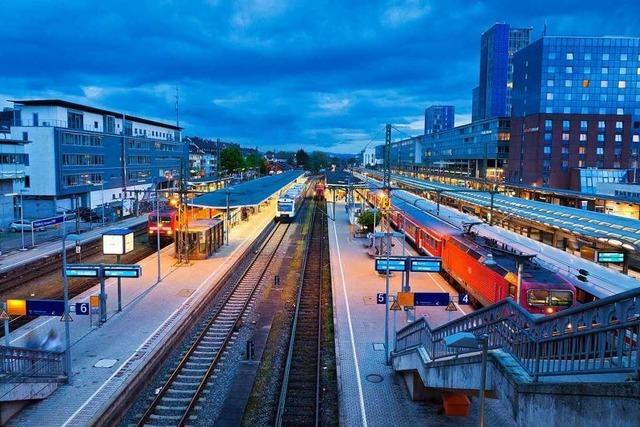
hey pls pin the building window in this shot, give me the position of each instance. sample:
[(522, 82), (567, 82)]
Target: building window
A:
[(568, 70), (548, 124), (618, 138), (604, 83), (567, 83), (601, 124), (585, 83), (620, 98), (583, 137), (570, 56), (580, 163), (622, 84), (547, 149), (583, 125), (600, 137), (25, 136), (551, 69), (74, 120), (619, 125), (566, 124), (587, 70), (623, 57), (565, 150), (581, 150), (565, 164), (600, 151), (623, 70), (565, 136), (547, 136), (550, 83), (605, 56), (549, 96), (605, 70), (636, 138), (552, 55), (78, 139), (587, 56)]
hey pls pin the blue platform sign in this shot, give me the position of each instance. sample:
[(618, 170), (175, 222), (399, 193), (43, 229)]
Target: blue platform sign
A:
[(612, 257), (125, 271), (80, 270), (395, 264), (82, 308), (44, 307), (463, 299), (426, 265), (381, 298), (431, 299), (48, 221)]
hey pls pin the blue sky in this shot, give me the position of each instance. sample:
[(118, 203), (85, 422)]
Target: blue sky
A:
[(274, 73)]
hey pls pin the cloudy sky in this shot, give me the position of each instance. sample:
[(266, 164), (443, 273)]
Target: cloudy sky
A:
[(274, 73)]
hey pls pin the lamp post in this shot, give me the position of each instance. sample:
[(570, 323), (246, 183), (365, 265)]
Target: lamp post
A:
[(65, 283), (22, 218), (159, 278), (471, 341)]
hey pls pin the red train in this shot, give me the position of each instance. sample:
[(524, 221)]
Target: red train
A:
[(483, 267), (319, 191), (168, 224)]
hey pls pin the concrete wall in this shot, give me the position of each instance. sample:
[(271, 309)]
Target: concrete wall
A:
[(566, 404)]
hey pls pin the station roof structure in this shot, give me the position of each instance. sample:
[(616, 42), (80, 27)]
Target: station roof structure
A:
[(250, 193), (343, 179), (612, 229)]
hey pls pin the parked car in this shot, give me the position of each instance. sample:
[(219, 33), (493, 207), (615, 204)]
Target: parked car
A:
[(89, 215), (18, 225)]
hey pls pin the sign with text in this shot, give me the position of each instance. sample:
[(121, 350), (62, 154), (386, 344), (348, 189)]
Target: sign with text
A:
[(612, 257), (126, 271), (131, 271), (425, 264), (82, 270), (47, 221), (431, 298), (394, 264)]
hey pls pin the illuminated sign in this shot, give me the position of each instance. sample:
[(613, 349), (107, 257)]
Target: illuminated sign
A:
[(426, 265), (117, 242), (394, 264), (612, 257)]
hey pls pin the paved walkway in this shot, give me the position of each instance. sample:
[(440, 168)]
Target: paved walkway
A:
[(150, 312), (14, 259), (371, 394)]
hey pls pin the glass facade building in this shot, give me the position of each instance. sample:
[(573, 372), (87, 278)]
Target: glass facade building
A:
[(438, 118), (578, 75), (497, 47)]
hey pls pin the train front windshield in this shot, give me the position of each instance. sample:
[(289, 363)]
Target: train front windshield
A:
[(285, 206), (545, 297), (163, 219)]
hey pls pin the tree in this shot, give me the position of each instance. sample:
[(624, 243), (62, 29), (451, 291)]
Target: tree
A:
[(231, 159), (256, 161), (302, 159), (366, 219), (318, 160)]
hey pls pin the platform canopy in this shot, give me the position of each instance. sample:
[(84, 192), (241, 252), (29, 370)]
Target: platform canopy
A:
[(343, 179), (250, 193)]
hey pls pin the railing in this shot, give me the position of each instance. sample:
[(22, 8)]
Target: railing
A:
[(596, 338), (18, 363)]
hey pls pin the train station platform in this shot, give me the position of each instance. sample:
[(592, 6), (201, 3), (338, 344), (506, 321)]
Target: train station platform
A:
[(106, 359), (370, 393), (14, 259)]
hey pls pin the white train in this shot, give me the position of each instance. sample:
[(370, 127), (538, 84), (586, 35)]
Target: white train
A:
[(290, 201)]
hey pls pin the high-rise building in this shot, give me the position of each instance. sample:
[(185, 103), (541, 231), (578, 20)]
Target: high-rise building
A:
[(578, 75), (475, 104), (438, 118), (497, 46), (576, 110)]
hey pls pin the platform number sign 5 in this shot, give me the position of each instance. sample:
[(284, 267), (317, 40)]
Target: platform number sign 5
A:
[(463, 299), (381, 298)]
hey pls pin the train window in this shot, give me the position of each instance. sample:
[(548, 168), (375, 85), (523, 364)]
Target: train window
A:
[(537, 297), (561, 298)]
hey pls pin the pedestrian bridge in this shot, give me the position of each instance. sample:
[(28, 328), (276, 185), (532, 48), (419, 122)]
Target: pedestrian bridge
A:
[(577, 367)]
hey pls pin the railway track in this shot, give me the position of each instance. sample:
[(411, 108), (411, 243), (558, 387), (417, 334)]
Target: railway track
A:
[(300, 396), (176, 402)]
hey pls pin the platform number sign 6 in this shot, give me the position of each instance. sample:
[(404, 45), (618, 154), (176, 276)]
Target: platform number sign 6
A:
[(463, 299), (82, 308), (381, 298)]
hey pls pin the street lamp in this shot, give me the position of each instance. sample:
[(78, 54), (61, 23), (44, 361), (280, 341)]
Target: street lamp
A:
[(469, 340), (65, 283), (22, 218)]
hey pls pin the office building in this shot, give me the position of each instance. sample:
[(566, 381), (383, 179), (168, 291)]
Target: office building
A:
[(76, 151), (368, 157), (476, 150), (13, 163), (578, 75), (576, 111), (497, 47), (438, 118), (566, 150)]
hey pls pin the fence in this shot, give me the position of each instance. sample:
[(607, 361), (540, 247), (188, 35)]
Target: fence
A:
[(596, 338), (17, 363)]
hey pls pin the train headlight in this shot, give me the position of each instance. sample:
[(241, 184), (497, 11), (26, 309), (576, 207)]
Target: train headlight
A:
[(169, 232), (549, 310)]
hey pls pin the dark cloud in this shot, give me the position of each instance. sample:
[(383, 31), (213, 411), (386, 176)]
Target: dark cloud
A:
[(273, 73)]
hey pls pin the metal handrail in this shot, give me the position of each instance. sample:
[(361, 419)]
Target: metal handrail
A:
[(599, 337), (18, 363)]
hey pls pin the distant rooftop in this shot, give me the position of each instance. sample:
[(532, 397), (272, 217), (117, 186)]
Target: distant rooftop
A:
[(90, 109)]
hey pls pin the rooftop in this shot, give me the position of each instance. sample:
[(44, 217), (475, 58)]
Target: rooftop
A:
[(73, 105)]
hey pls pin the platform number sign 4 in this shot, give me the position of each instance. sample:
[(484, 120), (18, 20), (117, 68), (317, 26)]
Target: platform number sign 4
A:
[(381, 298), (463, 299)]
